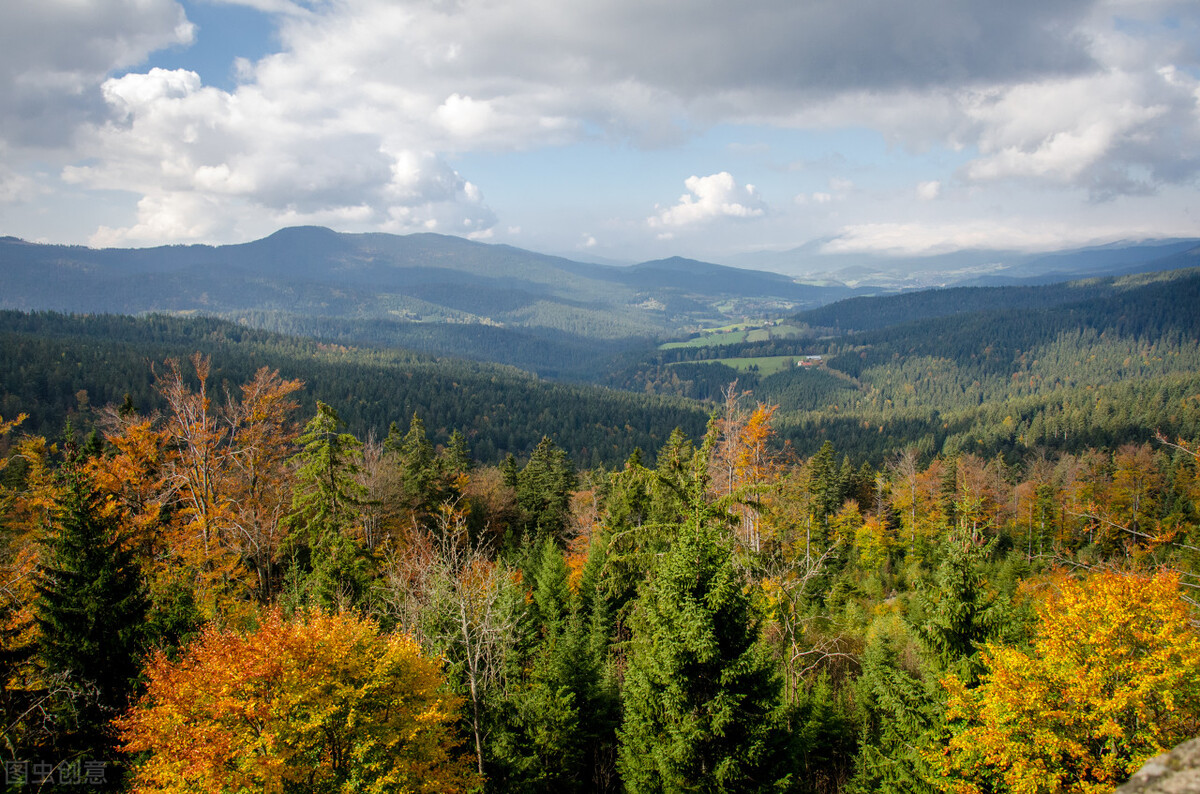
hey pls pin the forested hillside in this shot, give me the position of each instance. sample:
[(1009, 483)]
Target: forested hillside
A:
[(233, 593), (987, 370), (56, 366), (438, 294), (945, 542)]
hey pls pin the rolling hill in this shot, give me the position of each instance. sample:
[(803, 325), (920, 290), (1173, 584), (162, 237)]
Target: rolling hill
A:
[(440, 294)]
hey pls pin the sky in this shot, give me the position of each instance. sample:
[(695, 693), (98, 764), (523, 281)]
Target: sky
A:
[(604, 129)]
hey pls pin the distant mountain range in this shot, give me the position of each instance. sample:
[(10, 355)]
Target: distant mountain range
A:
[(811, 264), (420, 277), (450, 296), (429, 292)]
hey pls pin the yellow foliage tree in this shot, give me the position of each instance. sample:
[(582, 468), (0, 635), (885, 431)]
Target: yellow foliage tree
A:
[(1112, 679), (326, 704)]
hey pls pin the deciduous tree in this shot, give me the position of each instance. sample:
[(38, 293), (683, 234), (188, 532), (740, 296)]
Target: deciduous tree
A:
[(324, 704), (1112, 678)]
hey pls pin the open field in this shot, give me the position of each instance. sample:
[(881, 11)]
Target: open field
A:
[(737, 333)]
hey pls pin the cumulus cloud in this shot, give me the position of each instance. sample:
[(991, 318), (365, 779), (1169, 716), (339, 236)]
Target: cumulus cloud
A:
[(711, 197), (54, 54), (1116, 132), (360, 112), (197, 152)]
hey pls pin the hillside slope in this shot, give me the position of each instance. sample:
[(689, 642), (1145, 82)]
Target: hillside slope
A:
[(54, 366), (414, 291)]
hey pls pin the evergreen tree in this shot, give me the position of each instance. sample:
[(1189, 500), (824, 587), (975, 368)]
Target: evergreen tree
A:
[(419, 477), (701, 702), (456, 459), (959, 612), (330, 567), (900, 709), (544, 489), (509, 471), (950, 620), (90, 612), (541, 742)]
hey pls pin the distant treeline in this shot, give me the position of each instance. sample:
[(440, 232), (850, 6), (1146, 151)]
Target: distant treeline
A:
[(53, 366)]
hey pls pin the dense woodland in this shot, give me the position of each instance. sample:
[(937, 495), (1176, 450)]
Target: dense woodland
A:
[(226, 595), (54, 367), (958, 555), (991, 371)]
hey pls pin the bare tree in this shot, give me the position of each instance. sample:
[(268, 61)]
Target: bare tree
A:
[(459, 604)]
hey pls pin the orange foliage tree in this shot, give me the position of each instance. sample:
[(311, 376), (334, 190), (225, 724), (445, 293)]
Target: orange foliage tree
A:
[(205, 491), (742, 465), (1112, 679), (326, 704)]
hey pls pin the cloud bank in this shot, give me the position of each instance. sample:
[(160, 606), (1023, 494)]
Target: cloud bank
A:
[(359, 117)]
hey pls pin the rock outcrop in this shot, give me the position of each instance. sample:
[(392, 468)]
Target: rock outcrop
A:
[(1175, 772)]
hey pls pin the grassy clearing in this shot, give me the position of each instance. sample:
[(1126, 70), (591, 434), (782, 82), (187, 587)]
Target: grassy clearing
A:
[(737, 333)]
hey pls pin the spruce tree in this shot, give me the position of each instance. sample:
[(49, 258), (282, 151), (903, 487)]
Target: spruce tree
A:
[(330, 568), (544, 489), (91, 613), (540, 745), (419, 480), (950, 620), (701, 701)]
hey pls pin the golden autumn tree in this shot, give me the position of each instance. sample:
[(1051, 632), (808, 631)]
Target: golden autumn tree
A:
[(324, 704), (26, 512), (1112, 679), (742, 464), (204, 489)]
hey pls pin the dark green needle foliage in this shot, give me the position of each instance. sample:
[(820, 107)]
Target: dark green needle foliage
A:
[(544, 489), (330, 569), (701, 701), (91, 613)]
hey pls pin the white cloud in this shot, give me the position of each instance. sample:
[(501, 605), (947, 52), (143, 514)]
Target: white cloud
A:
[(918, 239), (928, 191), (359, 115), (711, 197), (183, 144), (15, 187), (55, 53), (171, 216), (1105, 132)]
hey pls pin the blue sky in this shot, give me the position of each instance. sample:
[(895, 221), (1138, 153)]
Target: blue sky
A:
[(609, 129)]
